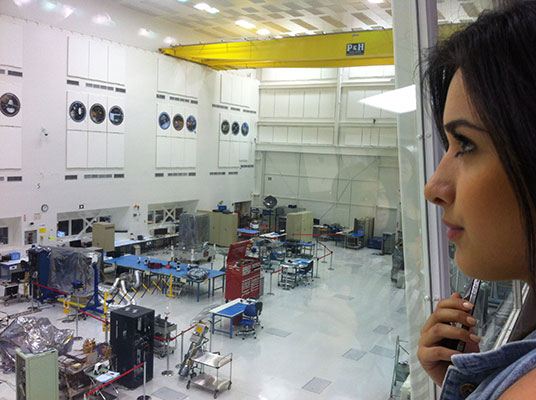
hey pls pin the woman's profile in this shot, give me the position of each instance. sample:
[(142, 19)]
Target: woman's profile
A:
[(482, 87)]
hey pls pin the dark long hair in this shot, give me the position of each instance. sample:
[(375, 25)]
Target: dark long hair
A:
[(497, 57)]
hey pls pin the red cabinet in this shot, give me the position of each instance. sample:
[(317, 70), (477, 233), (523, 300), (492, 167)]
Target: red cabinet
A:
[(243, 274)]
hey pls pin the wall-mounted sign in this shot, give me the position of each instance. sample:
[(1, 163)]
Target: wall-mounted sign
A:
[(97, 113), (225, 127), (9, 104), (77, 111), (355, 49), (178, 122), (191, 123), (164, 121), (245, 129), (116, 115), (235, 128)]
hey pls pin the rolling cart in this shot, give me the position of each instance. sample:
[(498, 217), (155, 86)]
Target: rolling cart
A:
[(208, 381)]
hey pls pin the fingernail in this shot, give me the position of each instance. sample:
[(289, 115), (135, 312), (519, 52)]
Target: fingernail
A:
[(467, 305), (471, 321), (474, 338)]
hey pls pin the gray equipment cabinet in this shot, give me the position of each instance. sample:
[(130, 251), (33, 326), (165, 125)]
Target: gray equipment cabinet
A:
[(37, 375)]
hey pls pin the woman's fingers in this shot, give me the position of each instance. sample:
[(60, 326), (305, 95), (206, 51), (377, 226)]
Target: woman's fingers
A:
[(428, 355), (438, 332)]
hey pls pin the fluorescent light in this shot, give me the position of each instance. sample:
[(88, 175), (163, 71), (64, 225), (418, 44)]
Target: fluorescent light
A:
[(398, 101), (170, 40), (375, 1), (146, 33), (263, 32), (212, 10), (20, 3), (66, 11), (103, 19), (202, 6), (47, 5), (182, 1), (245, 24)]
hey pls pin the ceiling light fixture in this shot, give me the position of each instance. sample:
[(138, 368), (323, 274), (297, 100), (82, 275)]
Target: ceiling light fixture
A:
[(263, 32), (103, 19), (398, 101), (245, 24), (207, 8), (20, 3), (375, 1), (146, 33), (170, 41), (213, 10), (66, 11)]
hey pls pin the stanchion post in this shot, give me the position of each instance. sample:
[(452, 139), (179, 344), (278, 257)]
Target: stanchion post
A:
[(167, 371), (331, 262), (144, 396), (182, 350), (76, 317), (270, 293)]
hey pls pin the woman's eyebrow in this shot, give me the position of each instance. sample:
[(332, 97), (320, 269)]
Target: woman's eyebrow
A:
[(452, 126)]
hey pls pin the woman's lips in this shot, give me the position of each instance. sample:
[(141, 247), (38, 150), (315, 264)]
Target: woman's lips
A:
[(453, 231)]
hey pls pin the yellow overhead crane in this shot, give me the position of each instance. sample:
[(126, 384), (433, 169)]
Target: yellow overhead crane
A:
[(348, 49)]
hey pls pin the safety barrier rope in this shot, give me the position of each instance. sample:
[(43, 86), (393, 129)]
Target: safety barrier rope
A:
[(49, 288), (279, 270), (175, 337), (92, 316), (113, 380)]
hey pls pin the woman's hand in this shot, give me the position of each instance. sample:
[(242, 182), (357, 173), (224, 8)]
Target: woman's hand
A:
[(433, 356)]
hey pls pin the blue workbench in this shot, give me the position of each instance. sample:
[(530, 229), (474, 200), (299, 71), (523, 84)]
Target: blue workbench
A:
[(229, 310), (131, 261)]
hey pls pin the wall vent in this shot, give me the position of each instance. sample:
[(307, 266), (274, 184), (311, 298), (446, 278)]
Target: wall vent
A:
[(110, 88), (177, 174), (75, 83), (159, 175), (232, 173), (247, 166), (217, 173), (119, 176), (160, 96), (2, 71), (98, 176), (14, 178), (220, 106), (249, 111), (1, 178), (14, 73), (194, 101), (120, 90), (71, 177), (87, 84), (191, 173), (235, 109)]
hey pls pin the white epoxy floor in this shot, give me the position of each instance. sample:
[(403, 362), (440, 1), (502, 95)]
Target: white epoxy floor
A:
[(354, 309)]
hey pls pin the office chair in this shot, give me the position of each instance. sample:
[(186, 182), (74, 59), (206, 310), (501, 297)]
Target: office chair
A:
[(248, 321), (258, 307)]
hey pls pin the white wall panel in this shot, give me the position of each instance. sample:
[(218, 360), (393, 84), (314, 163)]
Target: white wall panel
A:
[(319, 189), (281, 104), (295, 134), (327, 104), (15, 120), (325, 135), (76, 149), (311, 104), (236, 90), (371, 112), (351, 136), (116, 64), (388, 190), (362, 168), (96, 149), (94, 99), (267, 104), (11, 44), (266, 134), (364, 193), (119, 102), (310, 135), (278, 163), (328, 73), (98, 60), (224, 154), (280, 134), (246, 92), (10, 147), (388, 137), (163, 152), (178, 153), (115, 150), (190, 152), (385, 220), (194, 79), (77, 97), (286, 186), (296, 104), (244, 152), (234, 153), (78, 57), (226, 88), (319, 165), (374, 136), (354, 108), (366, 71)]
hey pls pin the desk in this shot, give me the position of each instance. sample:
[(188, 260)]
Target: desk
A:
[(229, 310), (354, 240), (130, 261), (6, 267), (293, 270)]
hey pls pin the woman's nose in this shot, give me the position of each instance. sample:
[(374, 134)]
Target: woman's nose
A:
[(440, 188)]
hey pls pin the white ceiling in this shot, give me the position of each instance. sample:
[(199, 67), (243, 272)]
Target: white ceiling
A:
[(181, 23)]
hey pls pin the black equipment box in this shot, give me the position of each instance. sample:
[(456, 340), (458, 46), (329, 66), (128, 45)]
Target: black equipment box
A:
[(132, 340)]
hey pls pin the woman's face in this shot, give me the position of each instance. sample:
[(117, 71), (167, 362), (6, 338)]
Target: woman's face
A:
[(479, 205)]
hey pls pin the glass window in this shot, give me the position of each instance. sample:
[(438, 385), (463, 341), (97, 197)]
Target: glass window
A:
[(159, 216), (77, 225), (4, 235), (150, 217), (63, 226)]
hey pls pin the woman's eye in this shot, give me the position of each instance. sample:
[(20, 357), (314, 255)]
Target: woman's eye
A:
[(465, 145)]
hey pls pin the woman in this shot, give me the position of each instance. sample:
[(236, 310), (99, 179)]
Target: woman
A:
[(482, 85)]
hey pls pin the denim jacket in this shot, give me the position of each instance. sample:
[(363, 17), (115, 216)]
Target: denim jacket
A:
[(487, 375)]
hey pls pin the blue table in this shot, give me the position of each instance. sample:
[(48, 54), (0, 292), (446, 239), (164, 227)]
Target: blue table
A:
[(228, 310), (131, 261), (247, 232)]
